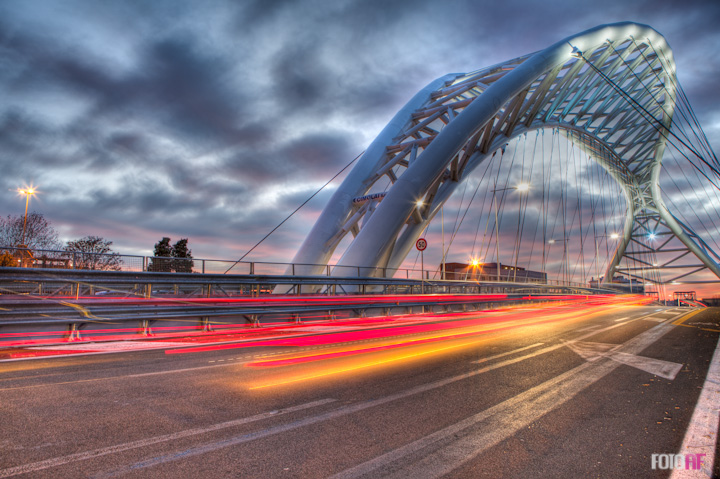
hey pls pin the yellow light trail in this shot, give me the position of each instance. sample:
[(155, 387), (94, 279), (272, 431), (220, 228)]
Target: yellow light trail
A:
[(361, 364), (364, 365)]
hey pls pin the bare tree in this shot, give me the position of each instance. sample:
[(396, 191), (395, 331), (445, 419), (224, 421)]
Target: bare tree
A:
[(93, 252), (39, 233)]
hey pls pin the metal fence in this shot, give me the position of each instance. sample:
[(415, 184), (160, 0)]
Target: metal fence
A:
[(70, 260)]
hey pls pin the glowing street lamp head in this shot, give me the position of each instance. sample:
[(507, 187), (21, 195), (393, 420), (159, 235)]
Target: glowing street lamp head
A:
[(652, 236), (522, 187), (552, 241), (419, 203), (31, 190), (28, 192), (614, 236), (475, 262)]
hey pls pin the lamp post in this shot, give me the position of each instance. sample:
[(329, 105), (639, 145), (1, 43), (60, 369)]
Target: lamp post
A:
[(597, 256), (472, 271), (442, 228), (28, 192), (522, 187), (567, 264)]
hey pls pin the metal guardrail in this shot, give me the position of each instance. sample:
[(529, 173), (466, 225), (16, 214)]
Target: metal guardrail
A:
[(68, 260), (15, 313), (77, 283), (86, 299)]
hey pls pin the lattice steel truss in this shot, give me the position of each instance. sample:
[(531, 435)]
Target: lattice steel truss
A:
[(610, 89)]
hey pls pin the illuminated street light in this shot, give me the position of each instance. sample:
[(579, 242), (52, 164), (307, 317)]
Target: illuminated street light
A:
[(28, 192), (597, 253), (521, 188), (565, 254), (651, 236)]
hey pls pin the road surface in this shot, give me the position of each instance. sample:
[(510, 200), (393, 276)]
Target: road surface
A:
[(566, 391)]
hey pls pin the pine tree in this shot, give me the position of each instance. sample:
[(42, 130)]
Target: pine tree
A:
[(179, 257), (162, 250), (183, 262)]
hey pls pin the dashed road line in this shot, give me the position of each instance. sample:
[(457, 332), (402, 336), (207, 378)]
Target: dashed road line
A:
[(342, 411), (445, 450), (82, 456)]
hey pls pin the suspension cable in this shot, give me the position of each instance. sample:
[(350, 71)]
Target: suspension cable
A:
[(295, 211), (645, 114)]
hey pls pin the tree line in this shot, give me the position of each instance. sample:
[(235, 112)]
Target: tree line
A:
[(89, 252), (179, 257)]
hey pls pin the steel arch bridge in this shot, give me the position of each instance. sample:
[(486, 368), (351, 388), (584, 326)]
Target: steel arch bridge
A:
[(612, 90)]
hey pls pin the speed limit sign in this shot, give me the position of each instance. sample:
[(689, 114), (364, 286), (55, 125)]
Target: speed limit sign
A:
[(421, 244)]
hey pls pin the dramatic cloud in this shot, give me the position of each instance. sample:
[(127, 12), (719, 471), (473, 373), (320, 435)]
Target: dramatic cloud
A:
[(214, 120)]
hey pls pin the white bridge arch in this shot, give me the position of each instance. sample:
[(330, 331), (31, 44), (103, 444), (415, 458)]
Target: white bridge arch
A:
[(611, 89)]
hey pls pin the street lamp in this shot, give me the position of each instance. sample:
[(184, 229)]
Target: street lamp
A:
[(472, 271), (567, 263), (28, 192), (522, 187), (597, 255)]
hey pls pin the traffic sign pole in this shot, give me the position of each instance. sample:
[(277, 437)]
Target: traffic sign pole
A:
[(421, 244)]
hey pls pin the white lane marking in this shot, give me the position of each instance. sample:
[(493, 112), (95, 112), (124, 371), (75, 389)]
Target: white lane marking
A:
[(658, 367), (596, 331), (590, 351), (563, 344), (593, 351), (113, 346), (508, 353), (342, 411), (81, 456), (503, 420), (589, 328), (267, 432), (107, 378), (702, 433), (657, 320), (622, 319)]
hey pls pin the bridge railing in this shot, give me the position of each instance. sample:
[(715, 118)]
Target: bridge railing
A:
[(70, 260)]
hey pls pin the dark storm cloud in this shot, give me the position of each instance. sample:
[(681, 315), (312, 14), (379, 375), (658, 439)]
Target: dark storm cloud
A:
[(314, 157), (181, 85), (300, 77), (216, 120), (20, 134)]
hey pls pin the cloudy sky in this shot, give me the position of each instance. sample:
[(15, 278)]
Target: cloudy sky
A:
[(213, 120)]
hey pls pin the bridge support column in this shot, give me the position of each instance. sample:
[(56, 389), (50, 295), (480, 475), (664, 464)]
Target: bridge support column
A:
[(145, 328), (74, 332)]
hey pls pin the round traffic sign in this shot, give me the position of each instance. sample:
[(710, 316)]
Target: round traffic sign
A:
[(421, 244)]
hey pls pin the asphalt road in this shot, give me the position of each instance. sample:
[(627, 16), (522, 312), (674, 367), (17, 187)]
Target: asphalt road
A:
[(568, 394)]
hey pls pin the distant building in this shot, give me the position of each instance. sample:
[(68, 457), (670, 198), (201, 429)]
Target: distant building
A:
[(489, 272)]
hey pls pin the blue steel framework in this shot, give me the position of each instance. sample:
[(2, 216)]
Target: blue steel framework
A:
[(458, 121)]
